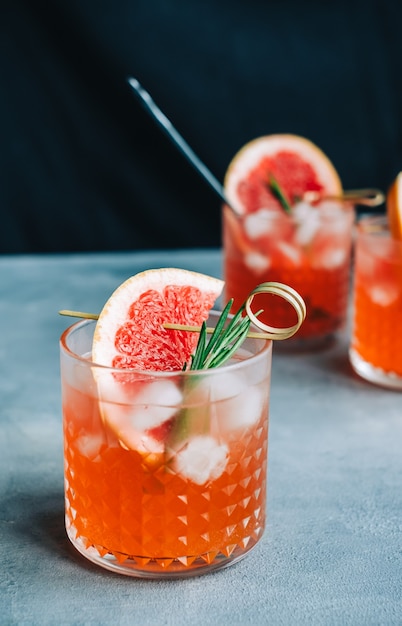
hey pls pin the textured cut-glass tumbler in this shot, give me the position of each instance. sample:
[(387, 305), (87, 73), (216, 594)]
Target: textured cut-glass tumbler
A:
[(165, 473)]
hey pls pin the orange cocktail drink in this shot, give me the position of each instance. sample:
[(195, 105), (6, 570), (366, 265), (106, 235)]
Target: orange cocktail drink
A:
[(376, 345), (308, 249), (186, 496)]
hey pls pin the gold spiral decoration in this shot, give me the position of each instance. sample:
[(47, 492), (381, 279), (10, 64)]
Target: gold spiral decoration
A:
[(287, 293)]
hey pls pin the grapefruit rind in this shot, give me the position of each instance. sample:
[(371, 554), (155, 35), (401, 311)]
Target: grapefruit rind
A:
[(251, 154), (394, 207)]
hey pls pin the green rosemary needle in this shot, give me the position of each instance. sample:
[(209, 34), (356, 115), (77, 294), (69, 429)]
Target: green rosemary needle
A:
[(224, 341), (276, 190)]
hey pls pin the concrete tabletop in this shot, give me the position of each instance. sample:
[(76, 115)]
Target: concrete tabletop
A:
[(332, 551)]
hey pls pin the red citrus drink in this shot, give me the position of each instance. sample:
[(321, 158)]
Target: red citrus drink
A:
[(308, 249), (376, 346), (187, 496)]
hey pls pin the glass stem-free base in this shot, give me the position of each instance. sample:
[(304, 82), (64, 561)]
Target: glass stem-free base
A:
[(145, 567), (374, 374)]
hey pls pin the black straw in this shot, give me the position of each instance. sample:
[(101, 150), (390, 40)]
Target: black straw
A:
[(178, 140)]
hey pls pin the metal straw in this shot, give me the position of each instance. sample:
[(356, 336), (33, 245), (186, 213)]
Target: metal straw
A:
[(178, 140)]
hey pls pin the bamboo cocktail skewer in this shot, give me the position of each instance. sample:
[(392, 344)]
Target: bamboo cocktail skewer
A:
[(362, 197), (167, 325), (269, 332)]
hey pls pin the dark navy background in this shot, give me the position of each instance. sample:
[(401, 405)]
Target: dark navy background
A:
[(83, 166)]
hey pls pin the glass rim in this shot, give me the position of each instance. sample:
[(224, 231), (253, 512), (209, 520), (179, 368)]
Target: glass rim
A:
[(373, 224), (346, 210), (266, 348)]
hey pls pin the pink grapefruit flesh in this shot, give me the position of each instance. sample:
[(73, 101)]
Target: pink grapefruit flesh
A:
[(129, 332)]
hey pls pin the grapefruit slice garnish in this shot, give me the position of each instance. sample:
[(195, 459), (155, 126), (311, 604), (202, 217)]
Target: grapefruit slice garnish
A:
[(129, 331), (129, 337), (296, 164), (394, 207)]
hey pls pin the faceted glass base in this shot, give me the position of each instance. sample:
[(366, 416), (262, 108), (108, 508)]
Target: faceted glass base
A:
[(374, 374), (144, 567)]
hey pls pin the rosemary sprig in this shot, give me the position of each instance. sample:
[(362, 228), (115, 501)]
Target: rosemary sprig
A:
[(224, 341), (276, 190)]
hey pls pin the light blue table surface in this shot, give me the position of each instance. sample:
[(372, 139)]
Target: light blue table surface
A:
[(332, 551)]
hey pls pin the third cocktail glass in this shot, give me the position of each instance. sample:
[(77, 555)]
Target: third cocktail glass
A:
[(376, 343)]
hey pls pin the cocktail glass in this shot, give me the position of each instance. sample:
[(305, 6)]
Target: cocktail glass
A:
[(186, 497), (376, 343), (308, 249)]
